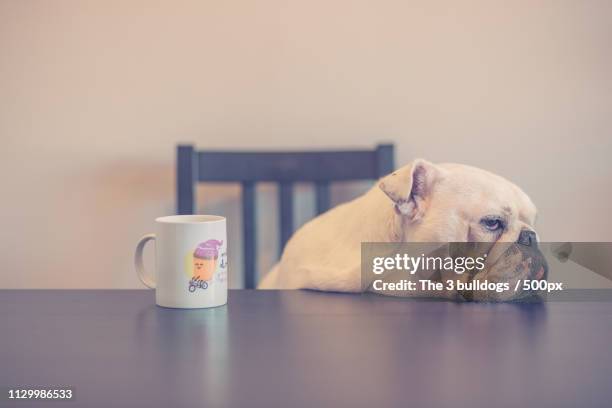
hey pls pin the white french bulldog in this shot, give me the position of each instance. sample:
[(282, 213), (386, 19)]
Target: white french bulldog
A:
[(420, 202)]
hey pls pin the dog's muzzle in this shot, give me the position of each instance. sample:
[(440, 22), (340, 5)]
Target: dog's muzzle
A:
[(520, 260), (528, 244), (528, 238)]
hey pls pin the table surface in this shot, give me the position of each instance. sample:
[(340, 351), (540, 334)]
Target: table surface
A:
[(302, 348)]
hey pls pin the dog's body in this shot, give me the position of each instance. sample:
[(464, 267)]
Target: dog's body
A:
[(421, 202)]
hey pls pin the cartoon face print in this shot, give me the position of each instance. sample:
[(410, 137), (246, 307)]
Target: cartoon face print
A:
[(204, 268), (205, 259)]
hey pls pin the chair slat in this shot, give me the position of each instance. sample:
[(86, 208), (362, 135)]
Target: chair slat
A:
[(287, 166), (250, 235), (285, 196), (322, 196)]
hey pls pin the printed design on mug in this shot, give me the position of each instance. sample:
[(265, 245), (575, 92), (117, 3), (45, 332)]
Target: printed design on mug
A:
[(204, 264), (221, 275)]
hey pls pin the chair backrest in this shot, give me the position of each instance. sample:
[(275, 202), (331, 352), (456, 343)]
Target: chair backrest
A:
[(284, 168)]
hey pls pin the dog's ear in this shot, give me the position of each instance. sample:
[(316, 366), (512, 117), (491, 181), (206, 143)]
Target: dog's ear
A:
[(409, 186)]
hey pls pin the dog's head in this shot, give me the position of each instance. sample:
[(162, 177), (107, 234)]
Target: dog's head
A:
[(458, 203)]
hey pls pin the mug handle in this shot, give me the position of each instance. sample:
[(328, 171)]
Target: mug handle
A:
[(140, 270)]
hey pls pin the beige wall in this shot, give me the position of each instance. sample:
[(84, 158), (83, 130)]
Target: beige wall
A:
[(94, 95)]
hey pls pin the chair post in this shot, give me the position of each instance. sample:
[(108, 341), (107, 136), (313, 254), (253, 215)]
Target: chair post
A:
[(385, 160), (186, 178), (249, 234)]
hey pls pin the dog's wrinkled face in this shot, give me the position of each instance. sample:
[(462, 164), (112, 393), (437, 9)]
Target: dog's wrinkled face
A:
[(458, 203)]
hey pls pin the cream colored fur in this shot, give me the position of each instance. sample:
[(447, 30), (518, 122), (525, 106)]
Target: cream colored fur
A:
[(420, 202)]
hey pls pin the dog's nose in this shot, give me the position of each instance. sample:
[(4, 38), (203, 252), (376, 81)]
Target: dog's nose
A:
[(527, 238)]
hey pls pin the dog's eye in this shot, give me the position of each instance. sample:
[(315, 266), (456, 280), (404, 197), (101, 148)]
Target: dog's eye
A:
[(492, 224)]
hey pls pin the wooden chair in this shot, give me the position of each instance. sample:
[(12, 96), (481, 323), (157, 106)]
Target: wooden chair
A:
[(284, 168)]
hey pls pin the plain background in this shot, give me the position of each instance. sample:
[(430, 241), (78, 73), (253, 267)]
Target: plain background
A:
[(94, 95)]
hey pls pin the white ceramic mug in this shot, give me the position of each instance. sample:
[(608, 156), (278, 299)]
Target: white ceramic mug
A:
[(191, 261)]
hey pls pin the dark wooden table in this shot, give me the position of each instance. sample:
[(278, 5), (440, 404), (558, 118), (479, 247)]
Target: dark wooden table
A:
[(299, 348)]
